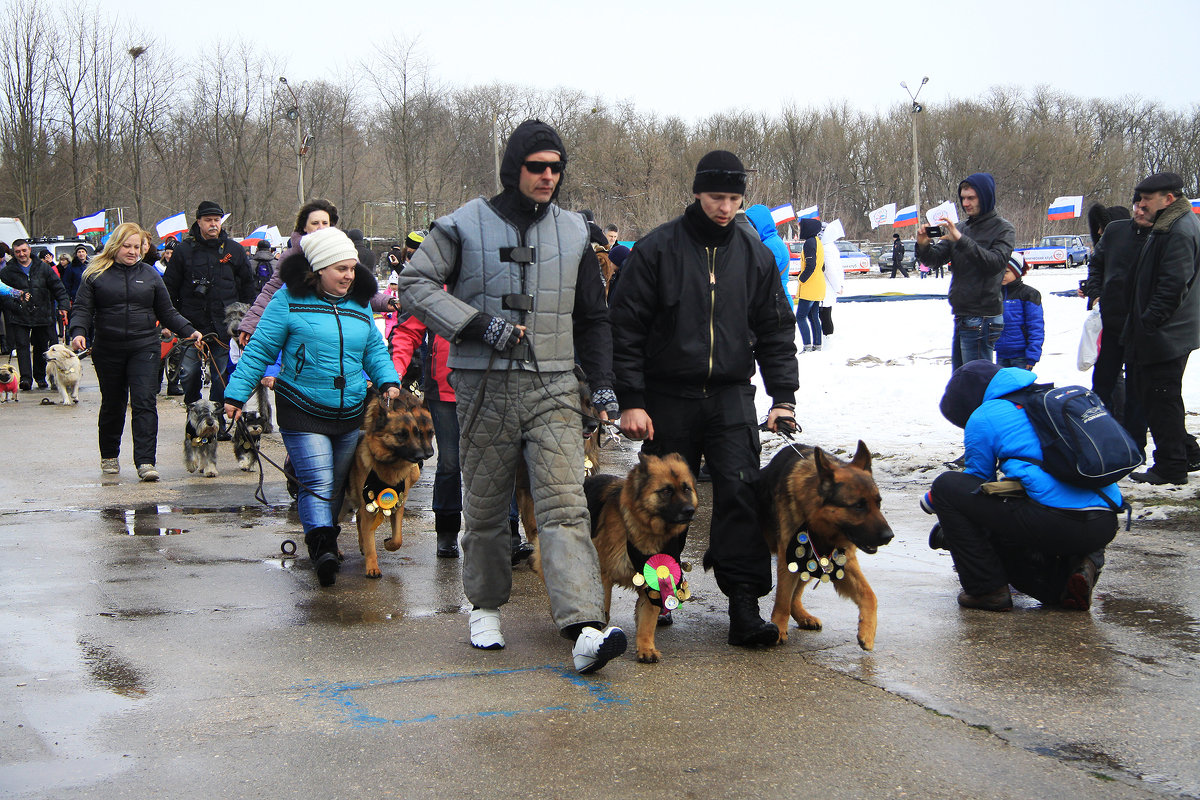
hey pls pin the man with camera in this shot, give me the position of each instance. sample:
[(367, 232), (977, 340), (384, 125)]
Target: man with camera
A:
[(208, 272), (978, 255)]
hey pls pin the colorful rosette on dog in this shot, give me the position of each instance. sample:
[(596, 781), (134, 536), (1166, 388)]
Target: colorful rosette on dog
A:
[(663, 575), (385, 501)]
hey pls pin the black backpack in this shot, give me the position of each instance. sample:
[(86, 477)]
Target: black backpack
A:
[(1082, 444)]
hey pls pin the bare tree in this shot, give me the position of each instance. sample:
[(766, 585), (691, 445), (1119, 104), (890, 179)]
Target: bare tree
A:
[(24, 58)]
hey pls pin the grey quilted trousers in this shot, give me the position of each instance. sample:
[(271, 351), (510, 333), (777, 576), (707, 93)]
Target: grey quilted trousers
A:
[(523, 412)]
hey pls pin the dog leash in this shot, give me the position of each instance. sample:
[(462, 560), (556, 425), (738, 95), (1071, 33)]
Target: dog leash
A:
[(260, 493)]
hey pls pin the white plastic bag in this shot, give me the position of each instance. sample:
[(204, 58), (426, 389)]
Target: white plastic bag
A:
[(1089, 342)]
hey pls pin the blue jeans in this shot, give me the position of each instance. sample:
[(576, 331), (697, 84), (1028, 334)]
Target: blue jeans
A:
[(1018, 361), (808, 318), (974, 338), (447, 480), (321, 464), (190, 371)]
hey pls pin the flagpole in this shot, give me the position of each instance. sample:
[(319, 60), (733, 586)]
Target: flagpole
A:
[(917, 108)]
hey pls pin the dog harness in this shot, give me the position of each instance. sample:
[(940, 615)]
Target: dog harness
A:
[(379, 496), (811, 564)]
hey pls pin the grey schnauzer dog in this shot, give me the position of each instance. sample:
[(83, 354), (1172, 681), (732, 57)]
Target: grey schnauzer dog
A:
[(200, 438)]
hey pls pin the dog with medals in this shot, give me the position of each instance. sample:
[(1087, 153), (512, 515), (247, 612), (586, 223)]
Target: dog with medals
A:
[(397, 437), (639, 524), (200, 438), (817, 512)]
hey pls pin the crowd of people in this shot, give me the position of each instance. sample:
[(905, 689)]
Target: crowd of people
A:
[(500, 302)]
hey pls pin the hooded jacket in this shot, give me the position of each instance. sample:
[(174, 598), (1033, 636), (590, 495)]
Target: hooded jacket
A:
[(692, 316), (326, 344), (979, 257), (1164, 315), (440, 284), (206, 275), (72, 277), (44, 287), (998, 433), (812, 263), (764, 223), (1024, 325), (119, 308)]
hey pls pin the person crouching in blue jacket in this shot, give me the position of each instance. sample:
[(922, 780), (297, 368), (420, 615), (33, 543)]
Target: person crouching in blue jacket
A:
[(321, 321), (1047, 542), (1020, 344)]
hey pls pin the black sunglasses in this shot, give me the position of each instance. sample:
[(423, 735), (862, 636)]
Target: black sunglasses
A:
[(538, 167)]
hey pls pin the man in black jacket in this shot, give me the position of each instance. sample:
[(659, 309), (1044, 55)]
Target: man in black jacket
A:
[(898, 256), (1164, 322), (208, 272), (978, 253), (698, 304), (30, 324)]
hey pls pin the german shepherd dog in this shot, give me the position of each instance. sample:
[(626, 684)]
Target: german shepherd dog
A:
[(642, 515), (63, 371), (200, 438), (817, 512), (396, 438)]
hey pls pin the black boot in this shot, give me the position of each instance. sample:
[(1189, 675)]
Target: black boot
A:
[(520, 550), (447, 526), (322, 549), (746, 627)]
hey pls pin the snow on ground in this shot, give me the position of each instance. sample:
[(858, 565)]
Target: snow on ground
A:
[(881, 374)]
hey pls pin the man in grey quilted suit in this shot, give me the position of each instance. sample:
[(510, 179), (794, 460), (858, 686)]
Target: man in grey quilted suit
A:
[(513, 284)]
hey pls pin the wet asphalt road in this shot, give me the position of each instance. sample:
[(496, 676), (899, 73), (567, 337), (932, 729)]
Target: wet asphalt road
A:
[(155, 641)]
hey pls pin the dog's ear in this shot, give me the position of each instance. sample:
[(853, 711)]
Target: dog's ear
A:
[(825, 469), (862, 457), (641, 473)]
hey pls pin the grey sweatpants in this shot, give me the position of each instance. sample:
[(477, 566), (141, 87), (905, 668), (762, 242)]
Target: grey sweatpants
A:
[(522, 413)]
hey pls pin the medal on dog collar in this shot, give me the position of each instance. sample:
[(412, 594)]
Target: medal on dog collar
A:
[(811, 564), (378, 496), (663, 575)]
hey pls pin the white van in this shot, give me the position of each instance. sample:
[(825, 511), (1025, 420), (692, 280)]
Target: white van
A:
[(11, 229)]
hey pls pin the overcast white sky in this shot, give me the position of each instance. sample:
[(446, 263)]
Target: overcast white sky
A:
[(696, 58)]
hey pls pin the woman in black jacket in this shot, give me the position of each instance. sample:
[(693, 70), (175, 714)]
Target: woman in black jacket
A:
[(120, 301)]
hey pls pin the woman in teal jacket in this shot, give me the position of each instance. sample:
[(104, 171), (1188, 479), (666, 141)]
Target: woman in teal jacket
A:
[(321, 321), (1048, 543)]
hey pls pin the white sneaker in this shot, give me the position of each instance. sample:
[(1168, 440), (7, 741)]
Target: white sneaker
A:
[(594, 649), (485, 629)]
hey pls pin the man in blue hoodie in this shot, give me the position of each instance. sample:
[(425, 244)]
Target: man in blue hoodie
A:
[(760, 216), (978, 255), (1048, 539)]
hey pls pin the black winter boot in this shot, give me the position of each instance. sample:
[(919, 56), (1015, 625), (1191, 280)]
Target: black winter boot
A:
[(746, 627), (447, 526), (322, 549)]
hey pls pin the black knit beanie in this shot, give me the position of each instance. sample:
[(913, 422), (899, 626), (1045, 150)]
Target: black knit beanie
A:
[(720, 171), (965, 391)]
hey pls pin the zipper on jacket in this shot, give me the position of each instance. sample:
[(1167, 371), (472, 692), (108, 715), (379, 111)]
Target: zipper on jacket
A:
[(711, 252), (300, 356), (342, 355)]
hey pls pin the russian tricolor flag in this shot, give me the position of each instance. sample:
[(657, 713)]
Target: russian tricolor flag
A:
[(92, 224), (1196, 206), (171, 226), (783, 213), (905, 216), (812, 212), (1065, 207)]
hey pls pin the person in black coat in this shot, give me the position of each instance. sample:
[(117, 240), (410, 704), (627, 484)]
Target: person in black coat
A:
[(208, 272), (120, 301), (30, 324)]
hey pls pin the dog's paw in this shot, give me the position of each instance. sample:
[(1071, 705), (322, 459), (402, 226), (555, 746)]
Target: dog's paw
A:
[(373, 572), (392, 545), (211, 472), (648, 655), (808, 623), (865, 643)]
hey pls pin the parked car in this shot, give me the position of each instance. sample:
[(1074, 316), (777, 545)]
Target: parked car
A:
[(909, 260), (1057, 251), (57, 245), (853, 259)]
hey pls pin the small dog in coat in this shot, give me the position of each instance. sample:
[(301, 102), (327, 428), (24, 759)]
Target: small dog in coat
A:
[(63, 370), (200, 438), (10, 380)]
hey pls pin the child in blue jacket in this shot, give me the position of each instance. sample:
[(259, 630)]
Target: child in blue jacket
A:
[(1020, 344)]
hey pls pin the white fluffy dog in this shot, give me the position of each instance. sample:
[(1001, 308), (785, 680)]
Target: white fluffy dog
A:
[(63, 370)]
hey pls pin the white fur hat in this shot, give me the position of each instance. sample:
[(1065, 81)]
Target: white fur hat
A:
[(327, 246)]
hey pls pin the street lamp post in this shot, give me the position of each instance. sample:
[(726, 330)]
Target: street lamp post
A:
[(293, 114), (917, 108), (135, 53)]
